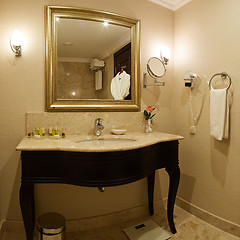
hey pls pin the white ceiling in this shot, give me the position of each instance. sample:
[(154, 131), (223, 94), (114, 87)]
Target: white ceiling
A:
[(171, 4)]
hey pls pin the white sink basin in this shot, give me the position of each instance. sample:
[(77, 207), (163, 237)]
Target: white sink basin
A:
[(106, 141)]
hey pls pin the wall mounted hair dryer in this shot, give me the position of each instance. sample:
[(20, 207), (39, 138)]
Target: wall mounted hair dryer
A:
[(189, 79)]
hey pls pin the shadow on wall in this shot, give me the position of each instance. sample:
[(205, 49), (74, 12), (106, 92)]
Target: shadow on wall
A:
[(219, 149), (150, 95), (11, 172), (219, 159), (186, 187)]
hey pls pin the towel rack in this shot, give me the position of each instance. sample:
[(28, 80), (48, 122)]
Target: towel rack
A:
[(223, 75)]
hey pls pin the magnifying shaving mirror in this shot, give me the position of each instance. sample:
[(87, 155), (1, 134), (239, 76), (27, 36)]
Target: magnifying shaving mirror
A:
[(156, 69)]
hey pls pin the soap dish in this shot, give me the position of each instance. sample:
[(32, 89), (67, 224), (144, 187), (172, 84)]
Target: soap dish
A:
[(119, 131)]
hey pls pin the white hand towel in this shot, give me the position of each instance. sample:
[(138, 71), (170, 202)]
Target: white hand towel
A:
[(219, 113), (98, 80)]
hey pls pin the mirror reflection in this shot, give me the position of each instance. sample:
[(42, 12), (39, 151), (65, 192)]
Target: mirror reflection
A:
[(94, 60)]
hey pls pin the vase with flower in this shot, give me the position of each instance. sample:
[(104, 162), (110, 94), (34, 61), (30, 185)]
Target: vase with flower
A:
[(148, 117)]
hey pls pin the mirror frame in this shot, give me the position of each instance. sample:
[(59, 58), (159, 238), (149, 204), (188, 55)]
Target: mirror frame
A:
[(53, 104)]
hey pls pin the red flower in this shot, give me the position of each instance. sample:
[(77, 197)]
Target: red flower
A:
[(148, 112), (149, 109)]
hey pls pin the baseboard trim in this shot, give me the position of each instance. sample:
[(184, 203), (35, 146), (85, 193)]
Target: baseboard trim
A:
[(129, 214), (94, 222), (210, 218), (113, 218)]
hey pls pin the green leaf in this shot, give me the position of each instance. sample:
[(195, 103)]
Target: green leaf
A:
[(146, 115), (152, 116)]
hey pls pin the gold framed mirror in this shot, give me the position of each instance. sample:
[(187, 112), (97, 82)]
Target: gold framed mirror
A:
[(92, 60)]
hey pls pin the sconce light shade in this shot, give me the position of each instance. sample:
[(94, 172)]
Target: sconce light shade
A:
[(165, 54), (16, 43)]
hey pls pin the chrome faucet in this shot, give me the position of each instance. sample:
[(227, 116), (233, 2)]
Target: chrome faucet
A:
[(98, 127)]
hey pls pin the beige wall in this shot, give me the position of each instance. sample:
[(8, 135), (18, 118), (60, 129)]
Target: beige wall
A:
[(22, 90), (207, 41)]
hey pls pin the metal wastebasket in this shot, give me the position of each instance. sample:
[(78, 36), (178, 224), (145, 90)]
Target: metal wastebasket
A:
[(51, 226)]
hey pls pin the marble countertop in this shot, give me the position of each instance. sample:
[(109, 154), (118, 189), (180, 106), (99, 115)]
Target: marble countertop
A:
[(73, 143)]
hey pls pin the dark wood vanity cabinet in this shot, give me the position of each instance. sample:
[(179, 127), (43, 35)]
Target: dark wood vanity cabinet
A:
[(98, 169)]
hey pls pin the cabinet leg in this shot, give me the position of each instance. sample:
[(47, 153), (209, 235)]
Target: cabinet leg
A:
[(151, 182), (174, 176), (26, 197)]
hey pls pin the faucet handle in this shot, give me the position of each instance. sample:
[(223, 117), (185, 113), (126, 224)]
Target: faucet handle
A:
[(98, 126), (98, 121)]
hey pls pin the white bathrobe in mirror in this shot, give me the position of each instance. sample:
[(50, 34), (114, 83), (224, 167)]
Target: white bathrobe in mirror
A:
[(120, 85)]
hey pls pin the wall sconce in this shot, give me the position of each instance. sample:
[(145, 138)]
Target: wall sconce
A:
[(165, 55), (16, 43)]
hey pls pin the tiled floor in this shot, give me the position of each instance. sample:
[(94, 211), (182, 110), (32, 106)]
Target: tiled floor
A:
[(188, 228)]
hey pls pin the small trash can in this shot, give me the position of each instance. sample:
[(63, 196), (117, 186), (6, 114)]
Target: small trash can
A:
[(51, 226)]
